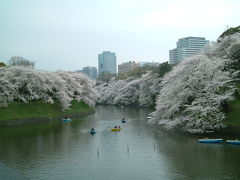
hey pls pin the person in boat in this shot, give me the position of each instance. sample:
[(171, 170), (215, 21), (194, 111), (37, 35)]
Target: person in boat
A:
[(118, 127), (66, 117), (92, 131), (115, 126), (123, 119)]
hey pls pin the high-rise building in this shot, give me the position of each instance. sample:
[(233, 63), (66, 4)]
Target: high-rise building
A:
[(187, 47), (126, 67), (107, 62), (90, 72)]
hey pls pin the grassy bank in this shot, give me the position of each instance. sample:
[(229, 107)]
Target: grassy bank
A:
[(17, 110), (233, 112), (233, 116)]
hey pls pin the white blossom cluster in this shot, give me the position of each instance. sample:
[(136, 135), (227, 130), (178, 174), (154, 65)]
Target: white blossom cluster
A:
[(23, 84), (193, 93), (191, 96), (131, 91)]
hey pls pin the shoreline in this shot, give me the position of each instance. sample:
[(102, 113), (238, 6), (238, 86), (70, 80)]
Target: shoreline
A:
[(26, 121), (230, 130)]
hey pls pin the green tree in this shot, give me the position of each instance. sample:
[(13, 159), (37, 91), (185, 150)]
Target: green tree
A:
[(229, 32), (2, 64), (163, 68)]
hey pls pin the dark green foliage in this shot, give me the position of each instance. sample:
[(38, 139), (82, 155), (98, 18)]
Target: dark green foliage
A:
[(2, 64), (229, 32), (234, 64), (232, 109), (233, 114), (163, 68)]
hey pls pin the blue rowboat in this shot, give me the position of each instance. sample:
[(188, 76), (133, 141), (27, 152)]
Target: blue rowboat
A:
[(237, 142), (92, 132), (210, 140), (66, 119)]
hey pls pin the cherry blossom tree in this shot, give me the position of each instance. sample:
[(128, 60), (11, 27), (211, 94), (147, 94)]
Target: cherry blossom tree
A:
[(193, 93), (192, 96), (131, 91), (23, 84)]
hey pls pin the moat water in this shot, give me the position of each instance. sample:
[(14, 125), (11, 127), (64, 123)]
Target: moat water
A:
[(140, 151)]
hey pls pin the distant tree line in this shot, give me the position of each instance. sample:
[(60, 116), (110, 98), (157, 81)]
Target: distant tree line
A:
[(161, 70), (18, 61)]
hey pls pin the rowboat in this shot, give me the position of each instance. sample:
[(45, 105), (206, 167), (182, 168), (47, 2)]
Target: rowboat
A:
[(92, 132), (116, 129), (66, 119), (236, 141), (206, 140)]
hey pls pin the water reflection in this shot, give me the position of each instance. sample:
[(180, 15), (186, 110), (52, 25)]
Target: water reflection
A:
[(59, 150), (194, 160)]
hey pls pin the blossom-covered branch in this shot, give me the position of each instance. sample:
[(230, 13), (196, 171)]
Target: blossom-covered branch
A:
[(23, 84)]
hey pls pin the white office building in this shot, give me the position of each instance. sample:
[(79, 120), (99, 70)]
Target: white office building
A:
[(107, 62), (187, 47)]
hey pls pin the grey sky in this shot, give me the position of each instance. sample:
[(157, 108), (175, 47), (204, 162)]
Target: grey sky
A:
[(68, 34)]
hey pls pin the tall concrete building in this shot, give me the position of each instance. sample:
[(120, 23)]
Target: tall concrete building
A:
[(107, 62), (187, 47), (126, 67), (90, 72)]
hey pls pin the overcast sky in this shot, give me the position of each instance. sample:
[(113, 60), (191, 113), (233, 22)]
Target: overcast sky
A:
[(69, 34)]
